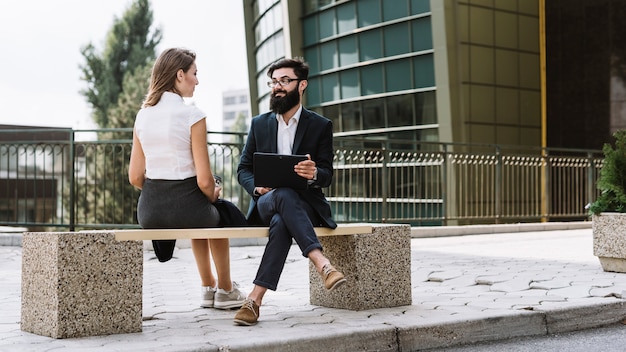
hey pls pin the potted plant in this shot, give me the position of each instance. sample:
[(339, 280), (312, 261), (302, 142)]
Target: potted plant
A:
[(609, 210)]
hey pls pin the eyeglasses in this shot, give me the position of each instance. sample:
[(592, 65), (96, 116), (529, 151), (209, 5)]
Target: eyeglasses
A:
[(285, 81)]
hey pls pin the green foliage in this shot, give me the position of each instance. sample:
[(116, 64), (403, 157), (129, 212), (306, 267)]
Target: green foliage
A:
[(612, 180), (129, 46)]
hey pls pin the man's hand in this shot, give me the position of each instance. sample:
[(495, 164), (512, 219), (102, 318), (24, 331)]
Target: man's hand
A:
[(259, 191), (306, 168)]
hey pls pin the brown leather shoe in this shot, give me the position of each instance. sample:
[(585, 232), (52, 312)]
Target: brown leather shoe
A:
[(248, 314), (332, 278)]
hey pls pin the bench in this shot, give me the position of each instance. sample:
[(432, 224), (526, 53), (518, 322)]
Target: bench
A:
[(88, 283)]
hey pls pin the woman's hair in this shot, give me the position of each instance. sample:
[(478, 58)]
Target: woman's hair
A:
[(300, 68), (164, 72)]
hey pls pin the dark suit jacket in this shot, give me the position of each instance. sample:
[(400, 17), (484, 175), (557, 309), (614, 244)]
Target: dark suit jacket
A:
[(314, 136)]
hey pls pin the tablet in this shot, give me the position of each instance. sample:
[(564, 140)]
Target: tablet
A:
[(276, 170)]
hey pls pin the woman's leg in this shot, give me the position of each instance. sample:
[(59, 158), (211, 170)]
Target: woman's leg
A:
[(220, 249), (200, 248)]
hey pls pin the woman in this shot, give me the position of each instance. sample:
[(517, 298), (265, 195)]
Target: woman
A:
[(169, 162)]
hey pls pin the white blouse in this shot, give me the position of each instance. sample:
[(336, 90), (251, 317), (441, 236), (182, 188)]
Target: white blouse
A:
[(164, 131)]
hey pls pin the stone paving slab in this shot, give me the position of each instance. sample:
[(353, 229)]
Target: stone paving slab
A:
[(458, 290)]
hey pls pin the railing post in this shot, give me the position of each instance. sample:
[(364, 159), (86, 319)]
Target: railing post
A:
[(72, 177), (591, 179), (385, 184), (498, 185), (546, 204), (444, 187)]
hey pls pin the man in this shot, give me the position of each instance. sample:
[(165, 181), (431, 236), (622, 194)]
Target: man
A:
[(290, 214)]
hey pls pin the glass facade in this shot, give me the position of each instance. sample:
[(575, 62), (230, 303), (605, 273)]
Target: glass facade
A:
[(372, 65), (371, 61)]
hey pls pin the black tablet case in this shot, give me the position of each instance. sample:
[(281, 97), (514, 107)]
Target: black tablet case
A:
[(276, 170)]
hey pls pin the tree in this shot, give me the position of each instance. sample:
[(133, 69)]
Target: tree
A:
[(129, 45), (117, 83)]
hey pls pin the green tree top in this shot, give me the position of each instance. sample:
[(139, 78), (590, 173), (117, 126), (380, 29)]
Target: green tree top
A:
[(129, 46)]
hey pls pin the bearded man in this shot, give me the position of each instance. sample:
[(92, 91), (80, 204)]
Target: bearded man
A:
[(290, 214)]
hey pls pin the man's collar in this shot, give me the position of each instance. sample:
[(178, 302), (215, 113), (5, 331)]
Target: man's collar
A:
[(296, 115)]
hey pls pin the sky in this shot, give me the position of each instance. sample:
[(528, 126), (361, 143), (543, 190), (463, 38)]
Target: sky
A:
[(41, 40)]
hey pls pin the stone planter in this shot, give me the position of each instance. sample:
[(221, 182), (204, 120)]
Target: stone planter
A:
[(609, 241)]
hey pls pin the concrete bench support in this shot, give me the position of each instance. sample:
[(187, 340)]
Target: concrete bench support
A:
[(377, 268), (81, 284)]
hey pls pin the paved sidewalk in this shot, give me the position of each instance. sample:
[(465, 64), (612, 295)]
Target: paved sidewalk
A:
[(465, 289)]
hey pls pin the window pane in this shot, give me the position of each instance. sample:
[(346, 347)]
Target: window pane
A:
[(329, 56), (312, 92), (425, 108), (346, 17), (368, 12), (394, 9), (347, 51), (350, 84), (396, 39), (350, 117), (311, 57), (372, 79), (400, 110), (370, 46), (330, 87), (420, 6), (310, 30), (422, 34), (424, 71), (398, 75), (373, 114), (332, 113), (327, 24)]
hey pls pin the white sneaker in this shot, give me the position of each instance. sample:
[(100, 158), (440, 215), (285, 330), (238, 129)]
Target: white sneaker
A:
[(229, 300), (208, 296)]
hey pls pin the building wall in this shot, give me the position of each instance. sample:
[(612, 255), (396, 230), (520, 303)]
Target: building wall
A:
[(488, 71)]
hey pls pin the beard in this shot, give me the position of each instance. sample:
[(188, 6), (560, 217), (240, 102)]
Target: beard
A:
[(284, 104)]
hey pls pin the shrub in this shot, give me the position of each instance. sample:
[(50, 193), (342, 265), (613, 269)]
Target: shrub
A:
[(612, 180)]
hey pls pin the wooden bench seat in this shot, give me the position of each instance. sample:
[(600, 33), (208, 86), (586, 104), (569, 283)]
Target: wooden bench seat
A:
[(229, 232), (88, 283)]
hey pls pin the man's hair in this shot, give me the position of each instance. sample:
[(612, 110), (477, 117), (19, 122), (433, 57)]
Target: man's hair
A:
[(300, 68)]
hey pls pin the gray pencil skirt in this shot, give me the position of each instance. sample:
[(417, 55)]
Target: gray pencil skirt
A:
[(172, 204)]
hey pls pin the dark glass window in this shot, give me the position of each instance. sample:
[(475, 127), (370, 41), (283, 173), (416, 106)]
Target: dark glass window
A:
[(328, 24), (330, 87), (395, 9), (400, 110), (370, 45), (332, 113), (422, 34), (350, 117), (420, 6), (347, 51), (310, 30), (312, 58), (372, 80), (424, 71), (396, 39), (373, 113), (425, 108), (346, 17), (368, 12), (398, 75), (328, 55), (312, 92), (350, 84)]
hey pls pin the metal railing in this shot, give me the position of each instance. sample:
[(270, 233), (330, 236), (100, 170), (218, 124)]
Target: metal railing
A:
[(80, 182)]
